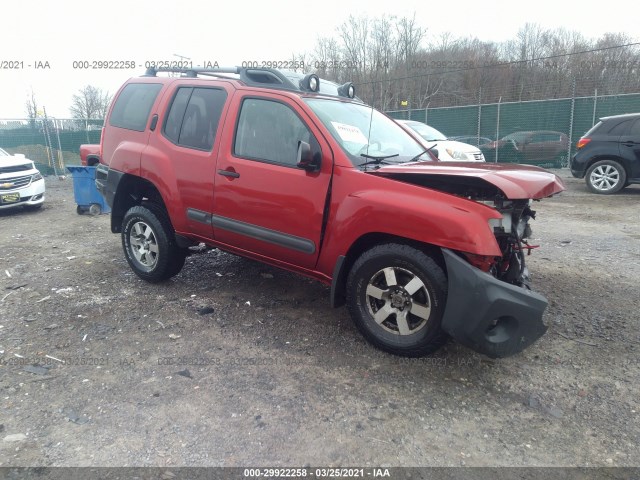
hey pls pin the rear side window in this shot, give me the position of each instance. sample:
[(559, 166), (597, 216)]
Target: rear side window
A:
[(621, 129), (133, 106), (193, 117)]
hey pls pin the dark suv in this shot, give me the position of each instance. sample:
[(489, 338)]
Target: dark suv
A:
[(609, 154)]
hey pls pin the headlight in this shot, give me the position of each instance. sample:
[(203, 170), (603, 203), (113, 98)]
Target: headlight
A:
[(36, 177), (457, 155)]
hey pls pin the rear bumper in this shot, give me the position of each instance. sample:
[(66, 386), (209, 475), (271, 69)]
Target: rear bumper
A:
[(487, 315), (107, 182), (576, 167)]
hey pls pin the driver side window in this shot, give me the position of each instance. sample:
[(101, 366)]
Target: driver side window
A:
[(269, 131)]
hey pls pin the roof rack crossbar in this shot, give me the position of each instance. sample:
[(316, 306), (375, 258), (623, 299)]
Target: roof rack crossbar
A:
[(152, 71)]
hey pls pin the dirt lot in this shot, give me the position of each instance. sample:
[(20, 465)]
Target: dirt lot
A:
[(233, 363)]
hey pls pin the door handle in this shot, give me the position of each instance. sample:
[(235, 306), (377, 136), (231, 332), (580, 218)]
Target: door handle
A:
[(228, 173), (630, 144)]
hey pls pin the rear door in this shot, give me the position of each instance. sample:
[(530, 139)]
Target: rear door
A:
[(181, 153), (630, 149), (264, 203)]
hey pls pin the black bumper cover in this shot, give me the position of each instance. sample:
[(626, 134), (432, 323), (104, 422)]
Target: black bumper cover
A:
[(487, 315), (107, 182)]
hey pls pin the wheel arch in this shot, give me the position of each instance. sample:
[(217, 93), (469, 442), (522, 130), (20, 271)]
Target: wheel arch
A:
[(131, 191), (362, 244), (613, 158)]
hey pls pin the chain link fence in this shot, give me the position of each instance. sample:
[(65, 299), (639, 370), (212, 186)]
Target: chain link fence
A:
[(540, 132), (51, 143)]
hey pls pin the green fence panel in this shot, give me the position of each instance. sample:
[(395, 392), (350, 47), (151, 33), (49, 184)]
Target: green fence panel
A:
[(51, 144), (572, 117)]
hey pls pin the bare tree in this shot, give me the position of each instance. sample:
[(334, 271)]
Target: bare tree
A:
[(386, 59), (31, 106), (90, 103), (354, 34)]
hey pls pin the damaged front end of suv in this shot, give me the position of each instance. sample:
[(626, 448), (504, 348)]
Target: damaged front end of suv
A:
[(490, 305)]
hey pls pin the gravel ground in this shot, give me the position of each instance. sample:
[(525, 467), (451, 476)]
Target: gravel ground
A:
[(234, 363)]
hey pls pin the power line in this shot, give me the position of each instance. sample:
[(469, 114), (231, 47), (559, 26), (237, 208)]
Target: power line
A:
[(503, 64)]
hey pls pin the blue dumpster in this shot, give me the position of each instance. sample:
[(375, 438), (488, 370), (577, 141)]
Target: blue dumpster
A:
[(85, 192)]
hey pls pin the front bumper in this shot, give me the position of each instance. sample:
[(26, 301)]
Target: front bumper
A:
[(30, 195), (487, 315)]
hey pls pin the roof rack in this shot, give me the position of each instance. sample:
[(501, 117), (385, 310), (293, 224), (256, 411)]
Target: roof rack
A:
[(191, 72), (261, 77), (251, 76)]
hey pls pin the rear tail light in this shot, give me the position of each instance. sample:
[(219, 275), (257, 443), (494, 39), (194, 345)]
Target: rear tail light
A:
[(582, 142)]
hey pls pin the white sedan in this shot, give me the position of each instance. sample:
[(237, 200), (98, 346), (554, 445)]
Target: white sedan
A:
[(447, 150), (21, 184)]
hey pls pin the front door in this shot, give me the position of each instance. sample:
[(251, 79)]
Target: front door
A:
[(263, 202)]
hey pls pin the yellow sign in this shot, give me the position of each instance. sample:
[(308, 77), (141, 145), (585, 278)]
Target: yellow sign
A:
[(404, 103)]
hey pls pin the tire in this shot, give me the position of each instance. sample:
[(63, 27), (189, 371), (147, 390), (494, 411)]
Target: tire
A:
[(399, 320), (606, 177), (149, 244), (80, 210), (95, 209)]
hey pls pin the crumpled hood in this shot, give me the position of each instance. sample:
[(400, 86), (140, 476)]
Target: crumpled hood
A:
[(514, 181)]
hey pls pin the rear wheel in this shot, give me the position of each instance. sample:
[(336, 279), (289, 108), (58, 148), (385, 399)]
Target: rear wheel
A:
[(396, 296), (149, 244), (606, 177)]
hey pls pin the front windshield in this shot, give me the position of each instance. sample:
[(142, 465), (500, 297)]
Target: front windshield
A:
[(430, 134), (350, 124)]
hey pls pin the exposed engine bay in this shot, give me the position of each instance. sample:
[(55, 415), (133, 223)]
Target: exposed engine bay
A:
[(511, 231)]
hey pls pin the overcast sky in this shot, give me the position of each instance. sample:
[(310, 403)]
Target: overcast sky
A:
[(63, 31)]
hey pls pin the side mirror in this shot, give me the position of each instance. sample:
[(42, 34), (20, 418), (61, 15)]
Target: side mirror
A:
[(306, 159), (435, 152)]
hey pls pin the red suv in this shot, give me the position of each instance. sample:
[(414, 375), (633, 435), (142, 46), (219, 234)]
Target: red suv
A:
[(297, 172)]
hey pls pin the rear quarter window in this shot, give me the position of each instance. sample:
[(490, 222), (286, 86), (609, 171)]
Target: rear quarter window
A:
[(133, 105), (621, 128)]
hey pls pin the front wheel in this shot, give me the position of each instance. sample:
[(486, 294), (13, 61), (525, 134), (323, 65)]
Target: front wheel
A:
[(149, 244), (606, 177), (396, 296)]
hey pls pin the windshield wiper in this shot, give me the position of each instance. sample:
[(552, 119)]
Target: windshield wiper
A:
[(422, 153), (377, 160)]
